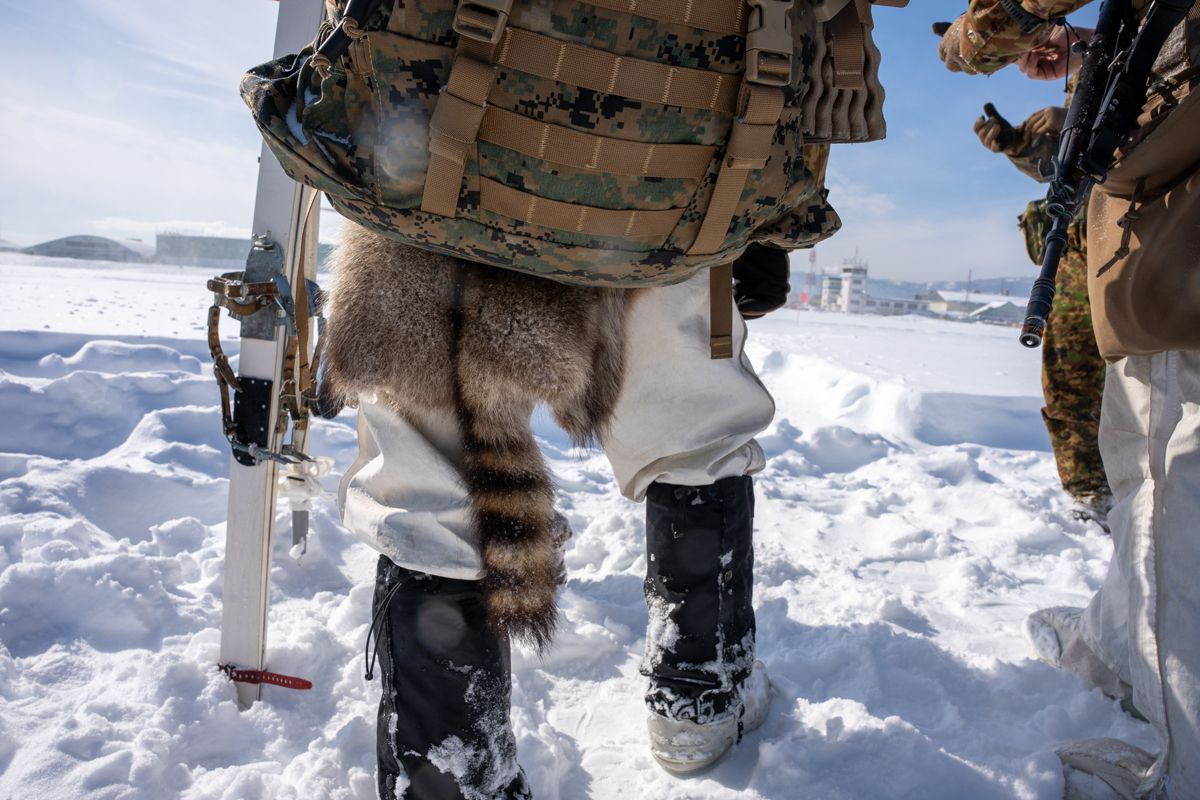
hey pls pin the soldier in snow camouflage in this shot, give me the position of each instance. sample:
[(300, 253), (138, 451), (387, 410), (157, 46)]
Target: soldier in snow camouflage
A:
[(460, 510), (591, 145), (1072, 369), (1137, 639)]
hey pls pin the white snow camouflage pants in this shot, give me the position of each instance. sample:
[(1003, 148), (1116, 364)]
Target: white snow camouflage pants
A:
[(682, 418), (1144, 623)]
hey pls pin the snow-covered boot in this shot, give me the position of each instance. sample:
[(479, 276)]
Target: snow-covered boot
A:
[(705, 690), (444, 731), (1093, 508), (682, 746), (1104, 769), (1057, 638)]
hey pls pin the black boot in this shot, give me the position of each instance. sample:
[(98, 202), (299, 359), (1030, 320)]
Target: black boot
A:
[(444, 731), (699, 579)]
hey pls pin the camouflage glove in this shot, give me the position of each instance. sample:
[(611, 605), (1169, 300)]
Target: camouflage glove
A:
[(997, 134), (1048, 121), (950, 49), (760, 281)]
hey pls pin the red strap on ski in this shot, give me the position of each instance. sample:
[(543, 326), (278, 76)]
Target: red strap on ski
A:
[(262, 676)]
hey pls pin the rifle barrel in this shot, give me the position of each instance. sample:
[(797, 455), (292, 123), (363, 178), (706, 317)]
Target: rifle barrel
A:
[(1041, 299)]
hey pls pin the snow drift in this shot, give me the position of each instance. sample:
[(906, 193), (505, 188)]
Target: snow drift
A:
[(909, 518)]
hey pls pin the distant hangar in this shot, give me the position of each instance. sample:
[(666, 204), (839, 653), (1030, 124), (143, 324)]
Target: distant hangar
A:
[(97, 248), (216, 252)]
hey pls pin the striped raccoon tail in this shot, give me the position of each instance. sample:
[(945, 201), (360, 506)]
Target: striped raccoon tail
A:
[(512, 501)]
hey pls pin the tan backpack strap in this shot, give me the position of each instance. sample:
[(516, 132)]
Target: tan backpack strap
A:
[(587, 151), (635, 78), (720, 311), (299, 375), (760, 104), (719, 16), (748, 149), (848, 47), (454, 127), (651, 227)]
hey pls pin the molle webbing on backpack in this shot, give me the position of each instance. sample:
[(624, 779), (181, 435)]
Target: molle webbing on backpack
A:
[(718, 16), (634, 78), (534, 210), (581, 150), (612, 142)]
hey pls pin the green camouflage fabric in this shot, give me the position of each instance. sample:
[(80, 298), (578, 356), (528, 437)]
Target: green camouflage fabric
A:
[(992, 39), (359, 133), (1029, 151), (1072, 369)]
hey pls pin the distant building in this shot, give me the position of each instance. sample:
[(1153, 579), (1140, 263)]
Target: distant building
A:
[(895, 306), (846, 292), (98, 248), (854, 288), (831, 293), (962, 303), (218, 252), (1008, 311)]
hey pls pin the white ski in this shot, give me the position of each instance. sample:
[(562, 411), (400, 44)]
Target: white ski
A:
[(279, 214)]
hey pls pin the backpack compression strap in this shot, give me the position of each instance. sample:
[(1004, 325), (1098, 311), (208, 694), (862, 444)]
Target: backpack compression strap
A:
[(760, 104), (454, 127)]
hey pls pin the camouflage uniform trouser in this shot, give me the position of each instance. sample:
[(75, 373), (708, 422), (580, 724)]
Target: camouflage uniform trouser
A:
[(1072, 369)]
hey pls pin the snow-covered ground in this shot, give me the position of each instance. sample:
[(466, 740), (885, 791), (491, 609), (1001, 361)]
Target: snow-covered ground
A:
[(909, 518)]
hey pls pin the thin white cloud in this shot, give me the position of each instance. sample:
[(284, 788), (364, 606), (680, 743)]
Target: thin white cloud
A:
[(859, 200), (74, 165), (211, 42)]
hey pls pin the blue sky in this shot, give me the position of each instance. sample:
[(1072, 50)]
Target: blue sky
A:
[(130, 124)]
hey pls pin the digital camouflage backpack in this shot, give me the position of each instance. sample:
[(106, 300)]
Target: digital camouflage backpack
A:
[(612, 142)]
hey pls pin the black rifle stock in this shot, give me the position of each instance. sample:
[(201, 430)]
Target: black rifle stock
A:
[(1109, 95)]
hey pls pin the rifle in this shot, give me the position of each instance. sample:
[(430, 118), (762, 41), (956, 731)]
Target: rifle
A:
[(1111, 90)]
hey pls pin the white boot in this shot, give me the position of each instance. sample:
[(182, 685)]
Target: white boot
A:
[(1057, 638), (1049, 630), (1103, 769), (683, 746)]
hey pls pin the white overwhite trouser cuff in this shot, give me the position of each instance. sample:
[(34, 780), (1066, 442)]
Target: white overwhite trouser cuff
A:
[(1144, 622), (682, 418)]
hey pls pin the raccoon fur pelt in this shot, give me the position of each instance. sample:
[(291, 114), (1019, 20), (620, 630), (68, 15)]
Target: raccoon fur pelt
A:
[(424, 332)]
